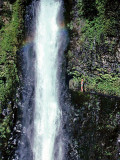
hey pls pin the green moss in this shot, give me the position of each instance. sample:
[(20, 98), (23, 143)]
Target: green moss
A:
[(11, 37)]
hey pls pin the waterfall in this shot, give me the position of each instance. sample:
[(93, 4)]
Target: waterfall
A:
[(41, 105), (47, 110)]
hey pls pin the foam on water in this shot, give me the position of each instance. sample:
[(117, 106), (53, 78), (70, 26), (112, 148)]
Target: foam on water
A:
[(47, 109)]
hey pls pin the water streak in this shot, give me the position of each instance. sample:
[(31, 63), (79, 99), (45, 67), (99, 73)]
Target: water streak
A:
[(47, 112)]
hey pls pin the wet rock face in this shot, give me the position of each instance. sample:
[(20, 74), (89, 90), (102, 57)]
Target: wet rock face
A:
[(1, 3), (24, 127), (84, 61), (89, 64), (94, 127)]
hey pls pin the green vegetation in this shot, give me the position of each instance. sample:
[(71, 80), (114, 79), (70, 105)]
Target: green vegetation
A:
[(101, 27), (104, 84), (11, 37), (108, 84), (95, 32), (102, 21)]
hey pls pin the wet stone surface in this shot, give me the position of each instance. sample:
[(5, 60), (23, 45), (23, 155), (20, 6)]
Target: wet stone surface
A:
[(94, 127)]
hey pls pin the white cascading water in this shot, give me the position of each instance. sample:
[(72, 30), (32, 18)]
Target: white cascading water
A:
[(47, 112)]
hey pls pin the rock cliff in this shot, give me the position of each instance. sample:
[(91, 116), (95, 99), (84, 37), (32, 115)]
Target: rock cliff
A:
[(94, 49)]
